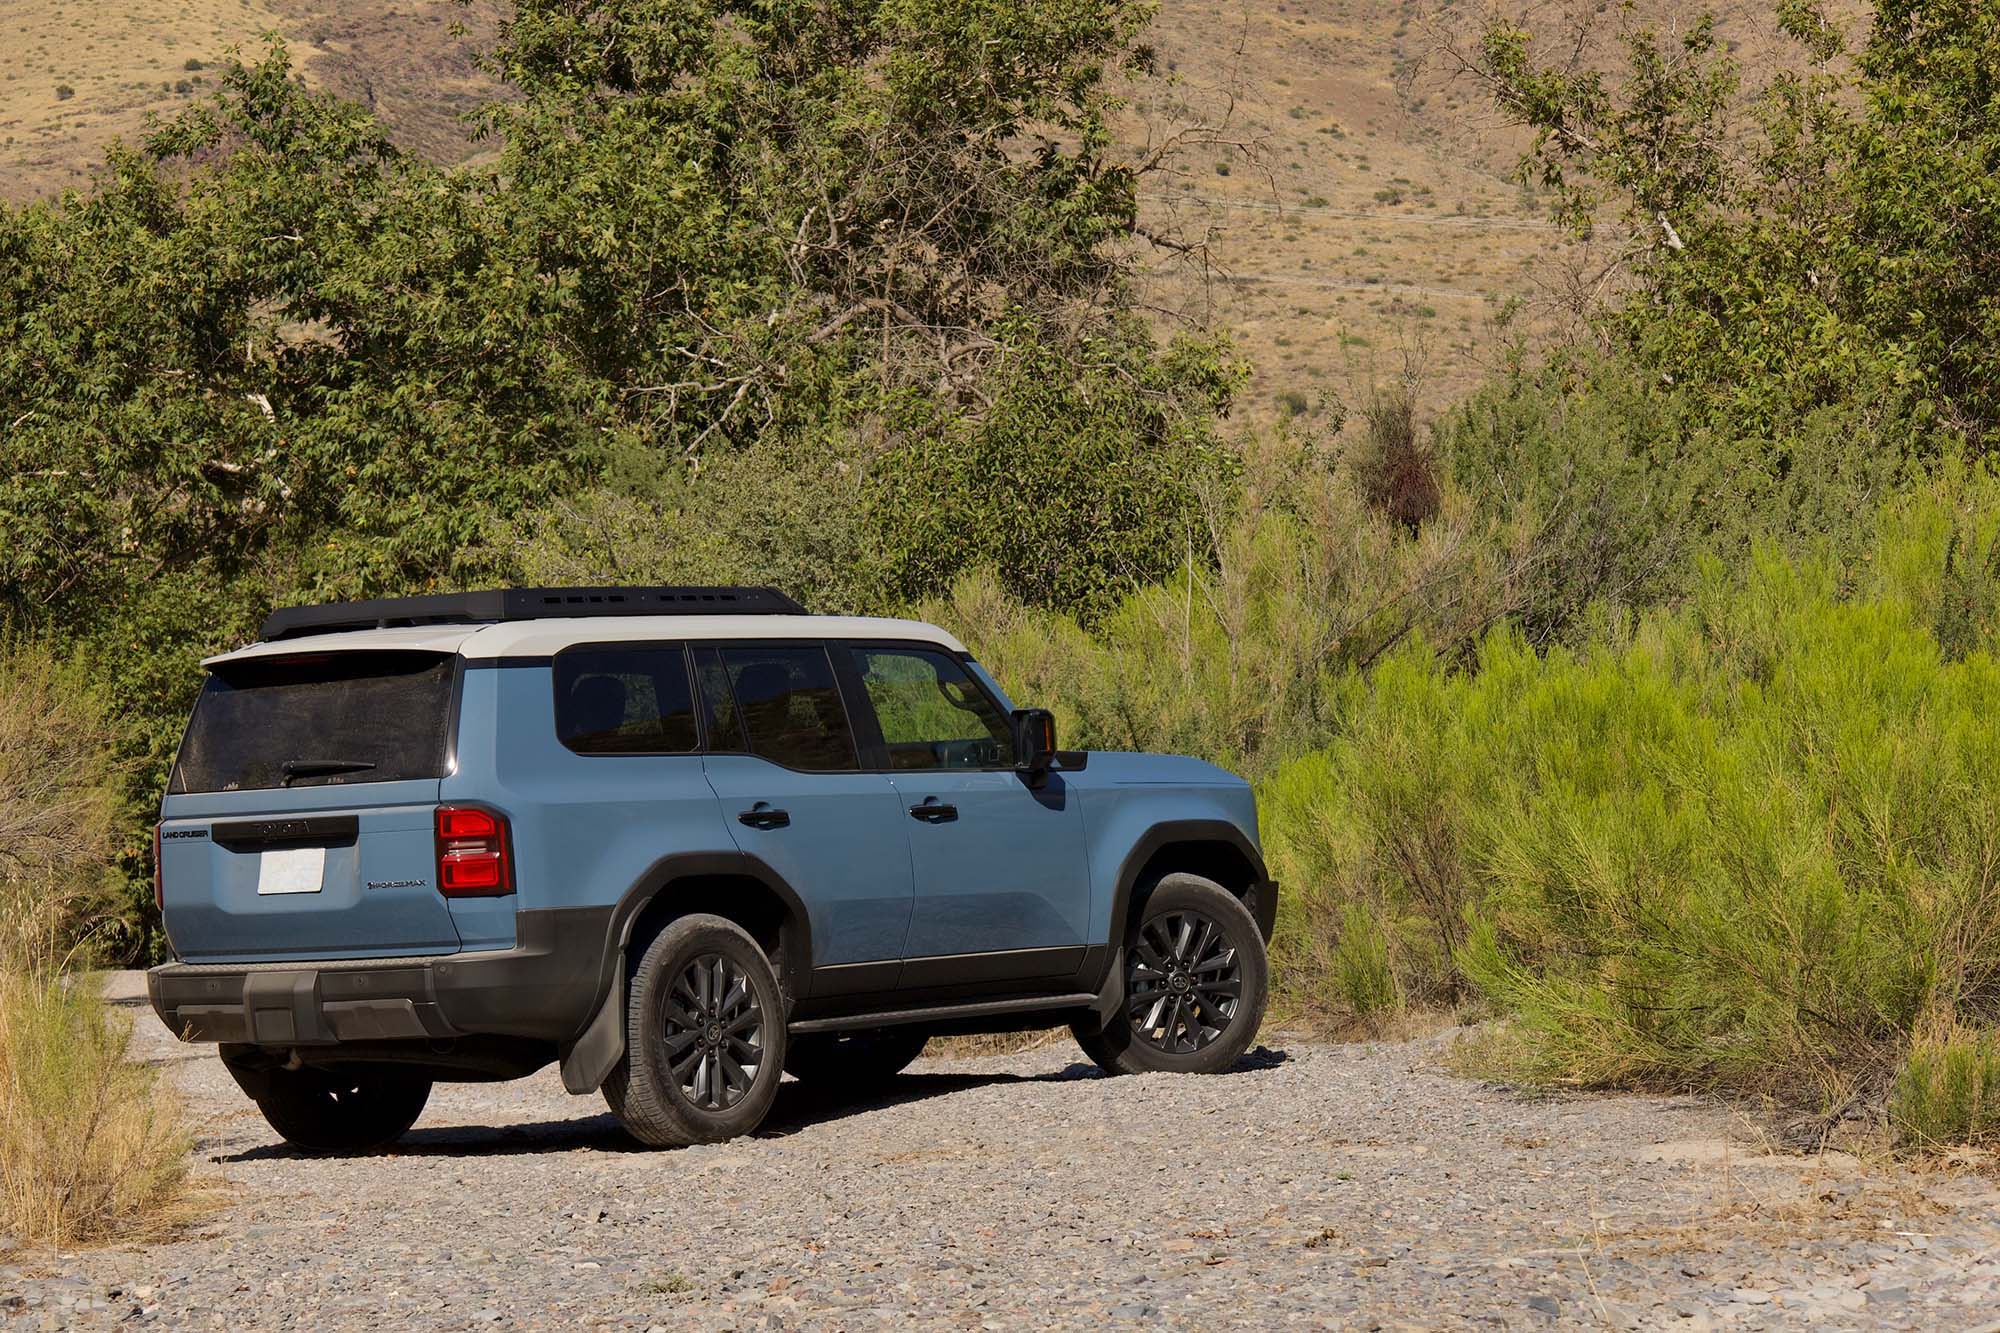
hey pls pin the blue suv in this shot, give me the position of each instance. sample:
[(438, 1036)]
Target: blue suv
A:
[(679, 841)]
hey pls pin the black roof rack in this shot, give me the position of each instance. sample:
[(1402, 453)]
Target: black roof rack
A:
[(498, 604)]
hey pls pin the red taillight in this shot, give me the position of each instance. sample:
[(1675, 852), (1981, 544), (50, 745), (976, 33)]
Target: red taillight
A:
[(472, 853), (159, 879)]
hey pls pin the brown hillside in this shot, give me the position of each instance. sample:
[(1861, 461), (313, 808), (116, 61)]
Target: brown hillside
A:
[(1351, 199)]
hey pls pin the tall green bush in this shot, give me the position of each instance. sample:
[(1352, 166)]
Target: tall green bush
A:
[(1749, 843), (60, 825)]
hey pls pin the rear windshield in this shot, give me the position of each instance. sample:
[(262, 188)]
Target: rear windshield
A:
[(322, 720)]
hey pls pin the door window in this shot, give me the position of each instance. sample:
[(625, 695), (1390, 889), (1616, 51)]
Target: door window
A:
[(783, 705), (625, 700), (932, 714)]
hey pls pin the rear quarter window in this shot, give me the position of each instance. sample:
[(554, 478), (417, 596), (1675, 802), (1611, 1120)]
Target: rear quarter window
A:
[(326, 719), (625, 700)]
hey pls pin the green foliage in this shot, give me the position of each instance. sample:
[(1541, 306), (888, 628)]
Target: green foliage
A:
[(1081, 482), (1838, 252), (1615, 486), (836, 297), (1748, 843), (1362, 976), (793, 516), (1948, 1090), (1284, 584), (91, 1146), (59, 807)]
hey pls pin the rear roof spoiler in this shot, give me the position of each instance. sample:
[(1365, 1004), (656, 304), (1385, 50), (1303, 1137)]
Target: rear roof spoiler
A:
[(494, 605)]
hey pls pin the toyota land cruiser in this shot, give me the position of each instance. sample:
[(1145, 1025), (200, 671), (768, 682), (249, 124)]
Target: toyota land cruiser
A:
[(678, 841)]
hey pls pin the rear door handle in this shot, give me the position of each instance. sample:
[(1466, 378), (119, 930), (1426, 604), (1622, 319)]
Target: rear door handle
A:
[(765, 816), (933, 811)]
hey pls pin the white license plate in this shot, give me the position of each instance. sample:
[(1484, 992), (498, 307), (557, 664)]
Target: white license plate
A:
[(293, 870)]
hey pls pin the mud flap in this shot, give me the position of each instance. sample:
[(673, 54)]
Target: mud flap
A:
[(589, 1060), (1113, 994)]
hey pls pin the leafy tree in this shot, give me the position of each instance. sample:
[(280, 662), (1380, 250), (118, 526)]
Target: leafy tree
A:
[(1841, 251), (267, 356)]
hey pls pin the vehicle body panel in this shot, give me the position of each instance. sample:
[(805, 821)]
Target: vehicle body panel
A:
[(843, 851), (1023, 890), (377, 897), (1124, 796), (585, 827), (1010, 871)]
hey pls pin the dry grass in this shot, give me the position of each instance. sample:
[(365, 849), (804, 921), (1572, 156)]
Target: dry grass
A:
[(119, 61), (993, 1043), (91, 1144)]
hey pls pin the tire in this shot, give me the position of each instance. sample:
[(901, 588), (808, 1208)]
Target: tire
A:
[(862, 1059), (704, 1037), (342, 1110), (1192, 956), (1092, 1041)]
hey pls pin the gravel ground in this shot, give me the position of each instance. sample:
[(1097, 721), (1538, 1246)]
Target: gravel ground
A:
[(1316, 1185)]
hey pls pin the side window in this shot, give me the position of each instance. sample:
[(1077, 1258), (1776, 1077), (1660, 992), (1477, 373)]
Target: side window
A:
[(725, 721), (932, 713), (625, 700), (787, 706)]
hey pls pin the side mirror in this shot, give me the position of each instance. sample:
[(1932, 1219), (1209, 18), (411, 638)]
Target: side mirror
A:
[(1035, 752)]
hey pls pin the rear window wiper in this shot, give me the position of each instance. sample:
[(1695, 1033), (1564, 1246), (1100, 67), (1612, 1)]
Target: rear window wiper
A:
[(313, 768)]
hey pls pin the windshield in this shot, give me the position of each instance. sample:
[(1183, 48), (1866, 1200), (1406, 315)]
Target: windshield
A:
[(327, 719)]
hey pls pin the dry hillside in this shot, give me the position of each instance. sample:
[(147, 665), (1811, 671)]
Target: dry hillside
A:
[(1351, 199)]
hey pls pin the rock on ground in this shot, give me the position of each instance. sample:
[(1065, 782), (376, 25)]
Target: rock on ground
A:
[(1319, 1186)]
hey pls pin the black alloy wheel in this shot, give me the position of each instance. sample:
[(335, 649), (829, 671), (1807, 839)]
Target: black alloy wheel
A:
[(713, 1029), (1193, 984), (704, 1036), (1183, 982)]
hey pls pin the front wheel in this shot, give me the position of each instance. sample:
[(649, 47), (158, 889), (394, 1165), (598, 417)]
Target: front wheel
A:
[(704, 1037), (1195, 977), (338, 1110)]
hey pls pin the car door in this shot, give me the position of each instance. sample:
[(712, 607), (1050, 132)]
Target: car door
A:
[(1002, 877), (782, 757)]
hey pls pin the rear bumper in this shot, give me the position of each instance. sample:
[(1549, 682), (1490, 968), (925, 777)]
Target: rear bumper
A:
[(543, 988)]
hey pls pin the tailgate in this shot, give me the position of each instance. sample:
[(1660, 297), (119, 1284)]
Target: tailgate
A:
[(300, 818), (323, 880)]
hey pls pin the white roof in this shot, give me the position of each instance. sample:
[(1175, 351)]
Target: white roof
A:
[(541, 638)]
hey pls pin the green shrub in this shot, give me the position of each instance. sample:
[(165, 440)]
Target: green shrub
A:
[(1362, 975), (59, 806), (1241, 657), (1948, 1089), (1745, 844)]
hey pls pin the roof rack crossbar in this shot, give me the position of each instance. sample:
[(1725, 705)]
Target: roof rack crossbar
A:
[(494, 605)]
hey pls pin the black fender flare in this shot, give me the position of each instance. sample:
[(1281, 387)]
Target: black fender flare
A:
[(1263, 895), (589, 1059)]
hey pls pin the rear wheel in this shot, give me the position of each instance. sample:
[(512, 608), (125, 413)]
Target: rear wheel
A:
[(854, 1058), (704, 1037), (1195, 976), (341, 1109)]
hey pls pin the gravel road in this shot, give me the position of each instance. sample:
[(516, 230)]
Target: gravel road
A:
[(1316, 1185)]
